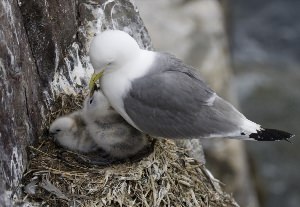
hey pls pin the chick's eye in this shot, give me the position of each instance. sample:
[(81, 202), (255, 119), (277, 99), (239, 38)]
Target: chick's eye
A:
[(58, 130)]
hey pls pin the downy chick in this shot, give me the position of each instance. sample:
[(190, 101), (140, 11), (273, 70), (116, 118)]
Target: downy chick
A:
[(70, 132), (109, 130)]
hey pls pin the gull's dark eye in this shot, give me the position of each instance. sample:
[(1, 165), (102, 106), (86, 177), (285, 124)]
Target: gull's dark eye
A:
[(91, 101), (58, 130)]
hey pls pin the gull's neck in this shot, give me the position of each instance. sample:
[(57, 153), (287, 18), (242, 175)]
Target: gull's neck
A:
[(117, 82)]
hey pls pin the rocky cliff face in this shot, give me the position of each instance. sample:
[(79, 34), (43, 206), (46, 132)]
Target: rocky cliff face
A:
[(21, 102), (266, 54), (43, 47)]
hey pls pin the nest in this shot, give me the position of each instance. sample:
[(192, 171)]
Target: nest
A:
[(167, 177)]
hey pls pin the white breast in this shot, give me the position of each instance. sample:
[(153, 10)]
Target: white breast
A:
[(116, 84)]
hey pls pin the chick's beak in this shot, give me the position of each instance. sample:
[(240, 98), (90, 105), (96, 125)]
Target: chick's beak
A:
[(52, 134), (94, 78)]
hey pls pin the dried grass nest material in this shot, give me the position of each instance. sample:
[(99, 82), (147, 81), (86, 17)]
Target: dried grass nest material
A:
[(168, 177)]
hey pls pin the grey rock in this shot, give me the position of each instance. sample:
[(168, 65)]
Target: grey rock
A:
[(268, 35), (266, 52), (20, 98)]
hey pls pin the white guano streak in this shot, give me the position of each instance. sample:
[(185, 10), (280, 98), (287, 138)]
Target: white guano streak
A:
[(79, 69)]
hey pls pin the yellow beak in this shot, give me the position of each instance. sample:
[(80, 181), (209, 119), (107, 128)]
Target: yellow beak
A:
[(94, 78)]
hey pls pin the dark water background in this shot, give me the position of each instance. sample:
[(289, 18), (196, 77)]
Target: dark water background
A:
[(265, 41)]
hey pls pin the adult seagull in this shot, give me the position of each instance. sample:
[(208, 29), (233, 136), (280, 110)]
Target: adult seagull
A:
[(161, 96)]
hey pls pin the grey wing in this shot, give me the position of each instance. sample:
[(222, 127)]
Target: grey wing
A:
[(176, 103)]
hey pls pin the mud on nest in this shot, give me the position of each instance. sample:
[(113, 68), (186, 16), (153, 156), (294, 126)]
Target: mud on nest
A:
[(168, 177)]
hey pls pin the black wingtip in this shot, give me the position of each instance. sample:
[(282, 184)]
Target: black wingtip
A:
[(271, 135)]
